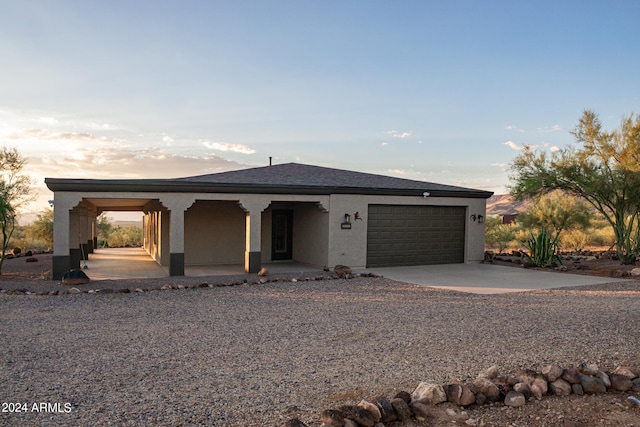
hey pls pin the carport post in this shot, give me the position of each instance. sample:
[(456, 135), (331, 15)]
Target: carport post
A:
[(253, 206)]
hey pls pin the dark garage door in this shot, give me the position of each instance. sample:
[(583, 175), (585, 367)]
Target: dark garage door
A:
[(415, 235)]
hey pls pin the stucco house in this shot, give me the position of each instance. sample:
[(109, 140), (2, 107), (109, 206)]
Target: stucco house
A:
[(310, 214)]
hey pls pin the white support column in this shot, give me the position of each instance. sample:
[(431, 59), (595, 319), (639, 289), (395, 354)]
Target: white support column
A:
[(253, 205), (65, 223), (177, 204)]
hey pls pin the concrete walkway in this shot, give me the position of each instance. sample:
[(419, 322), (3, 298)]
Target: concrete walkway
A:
[(487, 278), (135, 263), (122, 263)]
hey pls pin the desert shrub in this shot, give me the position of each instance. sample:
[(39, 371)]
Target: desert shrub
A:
[(543, 248), (574, 240)]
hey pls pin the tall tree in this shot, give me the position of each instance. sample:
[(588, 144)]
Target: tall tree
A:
[(15, 190), (603, 168), (42, 228)]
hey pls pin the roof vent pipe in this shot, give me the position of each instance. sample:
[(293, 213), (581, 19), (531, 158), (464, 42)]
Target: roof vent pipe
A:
[(269, 160)]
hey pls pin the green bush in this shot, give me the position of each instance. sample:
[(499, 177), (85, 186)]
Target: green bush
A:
[(17, 251)]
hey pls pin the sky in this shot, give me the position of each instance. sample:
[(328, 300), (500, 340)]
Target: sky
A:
[(439, 91)]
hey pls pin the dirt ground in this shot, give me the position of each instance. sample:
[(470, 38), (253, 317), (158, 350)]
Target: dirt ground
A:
[(611, 409)]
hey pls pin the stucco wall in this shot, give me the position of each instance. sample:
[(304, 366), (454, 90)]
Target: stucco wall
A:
[(310, 235), (310, 227), (214, 233), (349, 246)]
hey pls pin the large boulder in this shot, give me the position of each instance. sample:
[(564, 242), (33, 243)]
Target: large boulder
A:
[(75, 277)]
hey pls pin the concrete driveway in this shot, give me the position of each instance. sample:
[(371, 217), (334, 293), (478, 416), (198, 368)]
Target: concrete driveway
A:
[(487, 278)]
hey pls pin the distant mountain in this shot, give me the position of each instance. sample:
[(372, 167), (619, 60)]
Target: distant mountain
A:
[(503, 204)]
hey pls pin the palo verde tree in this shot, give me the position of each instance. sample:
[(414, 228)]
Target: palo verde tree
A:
[(15, 190), (556, 212), (603, 169), (42, 228)]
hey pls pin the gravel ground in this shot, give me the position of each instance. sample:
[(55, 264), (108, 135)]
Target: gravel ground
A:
[(256, 355)]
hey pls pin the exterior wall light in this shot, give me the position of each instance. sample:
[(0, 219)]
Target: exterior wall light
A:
[(477, 217), (346, 225)]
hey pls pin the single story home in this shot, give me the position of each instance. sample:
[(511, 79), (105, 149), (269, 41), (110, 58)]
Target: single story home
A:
[(310, 214)]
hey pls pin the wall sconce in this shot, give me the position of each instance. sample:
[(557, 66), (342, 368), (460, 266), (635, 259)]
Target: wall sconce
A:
[(478, 217), (346, 225)]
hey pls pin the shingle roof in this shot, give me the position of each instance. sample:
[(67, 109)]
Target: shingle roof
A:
[(282, 178)]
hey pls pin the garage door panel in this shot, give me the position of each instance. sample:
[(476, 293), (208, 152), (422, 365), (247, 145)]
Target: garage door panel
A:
[(415, 235)]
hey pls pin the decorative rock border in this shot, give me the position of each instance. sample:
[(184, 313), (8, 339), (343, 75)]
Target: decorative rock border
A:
[(166, 287), (512, 390)]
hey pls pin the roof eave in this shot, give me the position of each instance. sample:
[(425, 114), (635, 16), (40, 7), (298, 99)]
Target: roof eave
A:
[(171, 186)]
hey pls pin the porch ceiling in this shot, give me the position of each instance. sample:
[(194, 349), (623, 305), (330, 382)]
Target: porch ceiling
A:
[(118, 204)]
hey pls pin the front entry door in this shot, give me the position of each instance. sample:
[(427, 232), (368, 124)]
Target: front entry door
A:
[(281, 238)]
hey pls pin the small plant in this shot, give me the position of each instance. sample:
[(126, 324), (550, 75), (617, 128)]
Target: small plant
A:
[(543, 249)]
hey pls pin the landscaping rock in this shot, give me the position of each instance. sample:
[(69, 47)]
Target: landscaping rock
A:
[(620, 382), (489, 373), (577, 389), (539, 387), (524, 389), (514, 399), (294, 423), (552, 372), (460, 395), (420, 410), (626, 371), (560, 387), (488, 388), (75, 278), (375, 411), (434, 392), (604, 377), (571, 375), (263, 272), (342, 270), (589, 368), (332, 418), (358, 414), (401, 408), (386, 410), (592, 385), (404, 395)]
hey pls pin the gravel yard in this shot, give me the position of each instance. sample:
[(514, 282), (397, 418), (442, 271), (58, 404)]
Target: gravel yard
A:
[(256, 355)]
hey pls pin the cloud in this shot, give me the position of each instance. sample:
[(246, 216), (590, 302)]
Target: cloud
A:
[(397, 171), (118, 163), (498, 165), (49, 135), (396, 134), (48, 120), (514, 128), (514, 145), (384, 144), (554, 148), (166, 138), (236, 148), (554, 128)]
